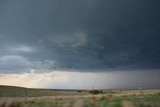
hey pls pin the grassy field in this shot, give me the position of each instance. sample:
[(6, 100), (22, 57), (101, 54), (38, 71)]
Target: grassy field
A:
[(24, 97)]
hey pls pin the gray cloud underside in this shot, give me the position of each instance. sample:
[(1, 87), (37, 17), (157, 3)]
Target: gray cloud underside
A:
[(79, 34)]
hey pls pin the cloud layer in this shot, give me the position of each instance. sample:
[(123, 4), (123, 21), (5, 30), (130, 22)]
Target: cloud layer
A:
[(79, 34)]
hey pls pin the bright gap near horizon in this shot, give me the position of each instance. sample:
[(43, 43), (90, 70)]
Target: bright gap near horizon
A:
[(82, 80)]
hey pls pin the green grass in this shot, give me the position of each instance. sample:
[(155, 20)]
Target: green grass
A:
[(24, 97), (13, 91)]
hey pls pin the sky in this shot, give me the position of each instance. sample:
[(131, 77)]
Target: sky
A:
[(79, 36), (83, 80)]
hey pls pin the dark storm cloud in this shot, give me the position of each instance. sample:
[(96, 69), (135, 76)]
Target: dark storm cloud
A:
[(85, 34)]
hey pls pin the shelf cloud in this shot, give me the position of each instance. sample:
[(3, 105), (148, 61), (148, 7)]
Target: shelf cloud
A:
[(78, 35)]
